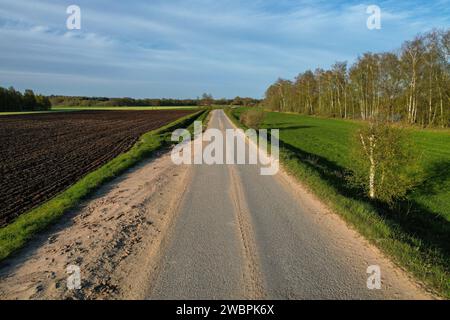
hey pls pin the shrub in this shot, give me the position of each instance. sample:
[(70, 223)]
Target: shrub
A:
[(252, 118), (385, 162)]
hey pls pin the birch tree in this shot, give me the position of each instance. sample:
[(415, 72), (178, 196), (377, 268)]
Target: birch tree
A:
[(411, 85), (385, 165), (412, 55)]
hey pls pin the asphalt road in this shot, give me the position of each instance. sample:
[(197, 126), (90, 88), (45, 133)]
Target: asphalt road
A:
[(241, 235)]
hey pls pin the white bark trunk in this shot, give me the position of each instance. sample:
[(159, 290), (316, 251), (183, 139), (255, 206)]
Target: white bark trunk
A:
[(370, 150), (372, 168)]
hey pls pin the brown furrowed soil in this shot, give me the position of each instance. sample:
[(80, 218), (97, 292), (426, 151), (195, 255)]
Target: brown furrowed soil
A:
[(43, 154)]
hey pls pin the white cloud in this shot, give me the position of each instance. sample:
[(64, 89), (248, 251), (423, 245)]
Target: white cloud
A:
[(193, 44)]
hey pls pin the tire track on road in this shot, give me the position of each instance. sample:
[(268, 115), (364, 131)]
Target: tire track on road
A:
[(254, 281)]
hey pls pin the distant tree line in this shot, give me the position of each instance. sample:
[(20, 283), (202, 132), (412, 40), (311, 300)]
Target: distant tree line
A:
[(12, 100), (205, 100), (410, 85)]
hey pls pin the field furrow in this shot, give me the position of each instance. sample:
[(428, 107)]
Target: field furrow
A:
[(43, 154)]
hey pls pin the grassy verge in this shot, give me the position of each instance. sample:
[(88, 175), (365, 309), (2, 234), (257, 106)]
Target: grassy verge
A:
[(71, 109), (131, 108), (16, 234), (415, 235), (34, 112)]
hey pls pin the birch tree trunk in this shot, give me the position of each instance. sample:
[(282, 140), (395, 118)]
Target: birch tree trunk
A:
[(370, 149)]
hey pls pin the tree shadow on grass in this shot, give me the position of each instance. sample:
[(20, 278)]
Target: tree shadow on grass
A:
[(437, 174), (409, 217)]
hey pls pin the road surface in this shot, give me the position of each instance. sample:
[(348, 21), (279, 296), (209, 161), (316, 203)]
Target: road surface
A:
[(241, 235)]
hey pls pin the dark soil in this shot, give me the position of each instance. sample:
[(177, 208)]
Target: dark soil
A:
[(41, 155)]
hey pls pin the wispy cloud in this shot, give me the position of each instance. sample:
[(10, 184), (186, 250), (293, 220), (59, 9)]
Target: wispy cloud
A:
[(180, 48)]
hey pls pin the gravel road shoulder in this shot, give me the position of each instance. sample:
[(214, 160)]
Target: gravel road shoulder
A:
[(114, 237)]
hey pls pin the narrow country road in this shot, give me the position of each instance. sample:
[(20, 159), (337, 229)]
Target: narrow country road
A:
[(243, 235), (162, 231)]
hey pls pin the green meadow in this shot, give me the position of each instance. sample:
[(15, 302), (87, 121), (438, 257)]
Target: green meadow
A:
[(416, 232)]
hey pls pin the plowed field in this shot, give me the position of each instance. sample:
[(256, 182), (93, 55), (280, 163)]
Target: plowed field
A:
[(43, 154)]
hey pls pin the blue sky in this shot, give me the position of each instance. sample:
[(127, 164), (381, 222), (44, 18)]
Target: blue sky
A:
[(182, 48)]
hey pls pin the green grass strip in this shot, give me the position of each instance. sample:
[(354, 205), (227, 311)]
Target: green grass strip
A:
[(16, 234), (427, 265), (123, 108), (15, 113)]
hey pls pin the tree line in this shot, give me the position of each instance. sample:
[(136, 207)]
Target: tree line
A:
[(411, 85), (204, 100), (12, 100)]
